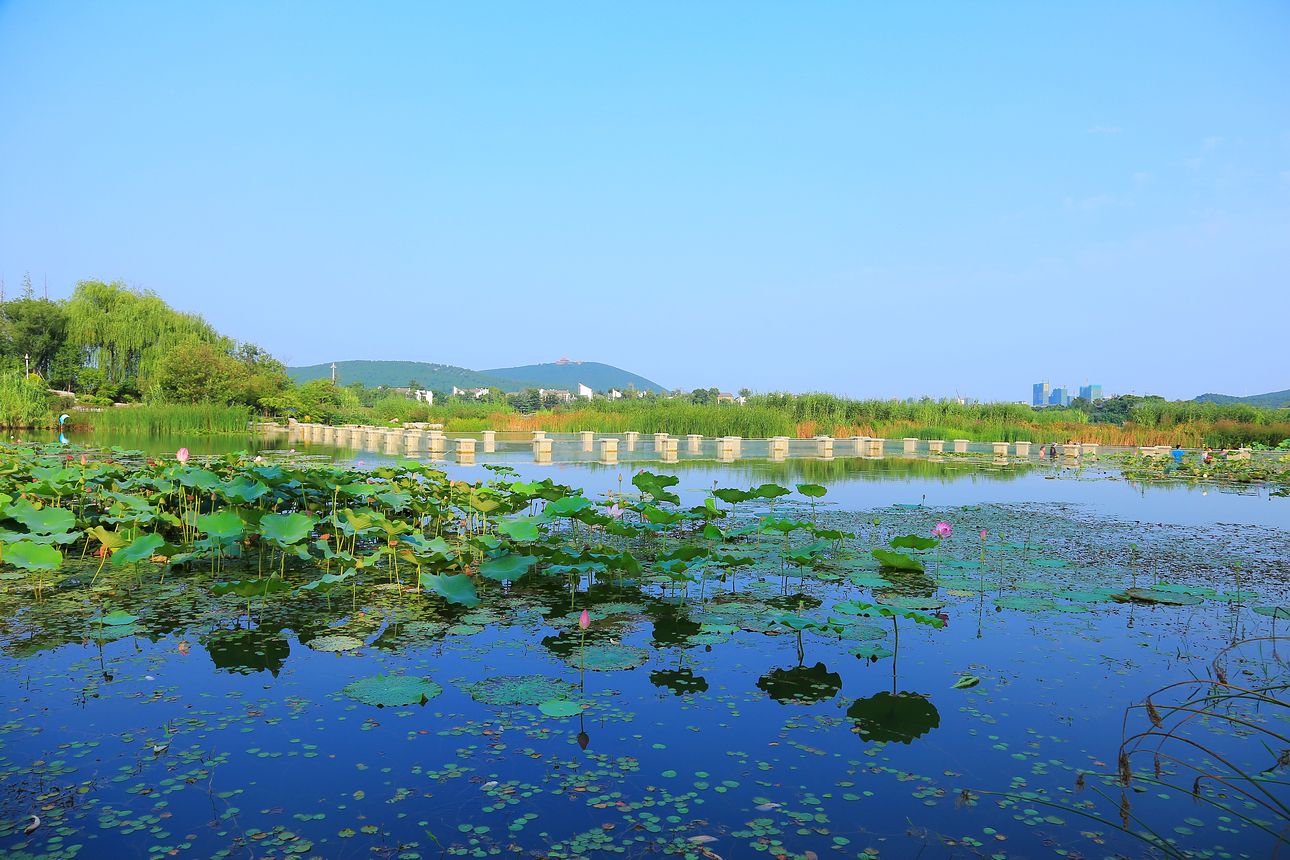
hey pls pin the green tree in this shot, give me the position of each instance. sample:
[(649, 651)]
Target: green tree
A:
[(200, 373), (36, 328)]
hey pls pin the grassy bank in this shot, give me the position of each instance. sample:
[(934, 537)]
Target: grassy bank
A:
[(164, 419)]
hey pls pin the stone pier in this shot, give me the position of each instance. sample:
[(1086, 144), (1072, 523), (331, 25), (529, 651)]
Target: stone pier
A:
[(877, 447), (1088, 449), (539, 434), (1000, 449), (489, 441), (414, 442), (959, 446), (630, 438), (778, 447), (659, 440), (727, 448), (542, 450), (435, 442), (392, 441), (587, 438), (824, 446), (935, 446), (694, 442), (609, 450), (910, 445), (1070, 450), (1022, 448), (668, 451)]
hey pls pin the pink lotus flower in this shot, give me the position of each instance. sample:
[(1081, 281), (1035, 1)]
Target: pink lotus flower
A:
[(983, 534), (615, 511), (584, 620), (84, 460), (942, 530), (258, 459), (182, 456)]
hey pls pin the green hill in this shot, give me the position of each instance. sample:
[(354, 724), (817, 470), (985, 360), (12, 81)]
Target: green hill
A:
[(1271, 400), (397, 374), (567, 374)]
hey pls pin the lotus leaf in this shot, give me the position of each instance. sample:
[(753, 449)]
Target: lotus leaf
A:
[(388, 691)]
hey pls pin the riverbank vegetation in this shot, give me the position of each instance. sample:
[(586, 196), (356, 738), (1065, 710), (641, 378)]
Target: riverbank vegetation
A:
[(115, 358)]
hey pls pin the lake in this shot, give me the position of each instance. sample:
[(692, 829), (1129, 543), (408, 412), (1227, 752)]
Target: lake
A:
[(750, 712)]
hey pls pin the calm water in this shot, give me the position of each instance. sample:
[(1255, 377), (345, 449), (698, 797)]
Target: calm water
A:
[(707, 734)]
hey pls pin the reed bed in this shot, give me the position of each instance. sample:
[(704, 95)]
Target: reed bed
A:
[(161, 419)]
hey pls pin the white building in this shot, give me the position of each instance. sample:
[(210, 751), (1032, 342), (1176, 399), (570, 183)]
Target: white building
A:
[(615, 394), (477, 393), (585, 392), (563, 395)]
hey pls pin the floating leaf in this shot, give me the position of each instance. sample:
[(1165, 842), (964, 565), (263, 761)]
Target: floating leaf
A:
[(560, 708), (387, 691), (966, 681)]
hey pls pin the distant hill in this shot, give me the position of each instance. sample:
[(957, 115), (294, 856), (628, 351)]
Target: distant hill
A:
[(396, 374), (1271, 400), (442, 377), (600, 377)]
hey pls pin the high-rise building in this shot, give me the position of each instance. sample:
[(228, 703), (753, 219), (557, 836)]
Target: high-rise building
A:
[(1059, 397), (1039, 397), (1090, 392)]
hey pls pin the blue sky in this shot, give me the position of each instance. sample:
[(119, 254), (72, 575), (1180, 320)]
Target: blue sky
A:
[(873, 199)]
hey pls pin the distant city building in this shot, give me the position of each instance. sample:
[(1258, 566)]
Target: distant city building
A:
[(725, 397), (614, 394), (1059, 397), (563, 395), (585, 392), (1040, 394), (415, 394), (1090, 392), (477, 393)]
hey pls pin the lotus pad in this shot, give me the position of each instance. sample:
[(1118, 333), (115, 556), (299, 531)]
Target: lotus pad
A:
[(335, 643), (609, 658), (518, 690), (387, 691)]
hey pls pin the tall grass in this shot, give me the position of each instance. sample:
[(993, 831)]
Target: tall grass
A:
[(1191, 424), (24, 403), (160, 419)]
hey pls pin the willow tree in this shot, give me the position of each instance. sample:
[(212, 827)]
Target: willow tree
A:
[(125, 332)]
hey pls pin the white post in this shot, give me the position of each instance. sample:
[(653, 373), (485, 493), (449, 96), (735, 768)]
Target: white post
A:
[(588, 438), (935, 446), (669, 449), (1022, 448), (542, 450), (490, 441), (960, 446), (824, 446), (539, 434), (630, 438), (659, 439), (609, 450), (694, 442), (1000, 449), (465, 449)]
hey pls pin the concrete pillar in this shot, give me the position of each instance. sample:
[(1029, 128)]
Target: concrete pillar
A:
[(609, 450), (959, 446), (465, 450), (877, 446), (489, 441), (435, 442), (414, 442), (1070, 450), (668, 451), (1000, 449), (909, 445), (935, 446), (824, 446), (778, 446), (587, 438), (659, 439), (542, 450), (861, 444), (539, 434), (630, 439), (1022, 448), (727, 448), (1088, 449), (694, 442)]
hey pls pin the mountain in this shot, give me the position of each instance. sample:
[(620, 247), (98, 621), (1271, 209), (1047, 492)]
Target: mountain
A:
[(1271, 400), (397, 374), (567, 374)]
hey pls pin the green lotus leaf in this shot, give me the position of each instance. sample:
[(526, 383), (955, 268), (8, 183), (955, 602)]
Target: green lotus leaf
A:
[(454, 588), (608, 658), (813, 491), (520, 529), (390, 691), (33, 556), (518, 690), (334, 643), (140, 549), (118, 618), (897, 560), (913, 542), (286, 529), (46, 520), (507, 568), (966, 682), (1278, 612), (560, 708), (225, 525)]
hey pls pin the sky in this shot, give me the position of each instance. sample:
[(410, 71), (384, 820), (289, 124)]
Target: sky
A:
[(879, 200)]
